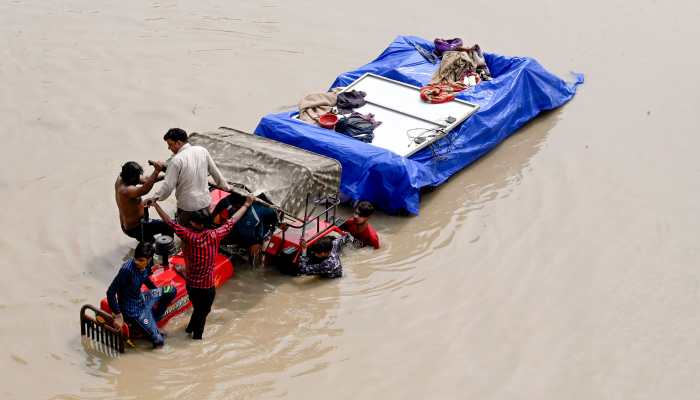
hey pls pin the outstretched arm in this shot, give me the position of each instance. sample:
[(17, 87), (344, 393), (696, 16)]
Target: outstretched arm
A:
[(180, 230), (112, 300), (327, 267), (148, 282), (224, 229), (145, 187), (170, 181), (216, 173), (163, 215), (112, 293)]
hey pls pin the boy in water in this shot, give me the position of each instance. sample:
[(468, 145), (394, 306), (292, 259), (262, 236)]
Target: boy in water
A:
[(358, 226), (323, 257), (131, 305)]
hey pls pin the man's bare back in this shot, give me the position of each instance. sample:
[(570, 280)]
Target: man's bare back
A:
[(130, 207)]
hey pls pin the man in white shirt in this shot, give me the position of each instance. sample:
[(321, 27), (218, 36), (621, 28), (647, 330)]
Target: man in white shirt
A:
[(187, 173)]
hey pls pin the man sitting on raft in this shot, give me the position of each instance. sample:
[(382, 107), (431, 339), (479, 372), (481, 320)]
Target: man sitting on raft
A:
[(138, 308), (200, 250)]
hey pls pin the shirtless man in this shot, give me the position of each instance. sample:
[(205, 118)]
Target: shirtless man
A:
[(133, 217)]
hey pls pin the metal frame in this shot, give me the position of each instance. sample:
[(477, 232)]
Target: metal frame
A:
[(329, 212), (444, 128)]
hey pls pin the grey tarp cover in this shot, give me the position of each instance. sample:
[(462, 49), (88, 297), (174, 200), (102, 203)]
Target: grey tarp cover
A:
[(284, 173)]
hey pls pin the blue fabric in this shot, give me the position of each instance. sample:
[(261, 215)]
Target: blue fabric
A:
[(124, 294), (520, 90), (148, 317), (250, 230)]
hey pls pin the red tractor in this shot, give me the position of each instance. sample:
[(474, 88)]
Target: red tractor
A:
[(284, 177)]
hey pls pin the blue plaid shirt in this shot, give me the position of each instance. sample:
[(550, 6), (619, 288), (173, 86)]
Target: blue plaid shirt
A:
[(124, 294), (329, 267)]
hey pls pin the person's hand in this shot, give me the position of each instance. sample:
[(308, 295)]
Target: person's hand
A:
[(283, 226), (249, 201), (149, 202), (158, 165), (118, 321), (255, 255), (302, 243)]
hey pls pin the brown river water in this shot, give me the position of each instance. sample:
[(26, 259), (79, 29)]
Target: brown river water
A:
[(563, 265)]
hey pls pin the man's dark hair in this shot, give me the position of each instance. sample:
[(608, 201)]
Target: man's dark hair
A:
[(131, 173), (322, 245), (200, 217), (364, 209), (176, 135), (144, 250)]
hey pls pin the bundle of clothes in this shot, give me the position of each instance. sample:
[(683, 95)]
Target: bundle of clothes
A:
[(460, 68), (314, 109)]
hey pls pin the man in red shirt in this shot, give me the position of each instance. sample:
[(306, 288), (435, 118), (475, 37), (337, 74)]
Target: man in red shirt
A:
[(358, 226), (201, 245)]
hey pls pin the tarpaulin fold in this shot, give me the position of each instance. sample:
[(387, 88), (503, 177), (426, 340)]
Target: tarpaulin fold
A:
[(520, 89)]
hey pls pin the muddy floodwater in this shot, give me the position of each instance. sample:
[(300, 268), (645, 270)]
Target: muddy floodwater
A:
[(563, 265)]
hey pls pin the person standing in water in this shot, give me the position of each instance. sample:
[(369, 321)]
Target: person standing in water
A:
[(202, 247), (359, 227), (187, 173)]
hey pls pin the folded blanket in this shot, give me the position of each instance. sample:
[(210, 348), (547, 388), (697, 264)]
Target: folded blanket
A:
[(312, 106)]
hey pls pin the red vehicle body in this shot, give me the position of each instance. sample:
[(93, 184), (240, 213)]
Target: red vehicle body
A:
[(283, 249), (171, 275)]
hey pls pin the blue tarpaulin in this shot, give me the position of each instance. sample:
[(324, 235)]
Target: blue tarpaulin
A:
[(520, 89)]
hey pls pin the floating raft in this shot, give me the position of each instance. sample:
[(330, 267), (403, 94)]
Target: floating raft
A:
[(520, 90)]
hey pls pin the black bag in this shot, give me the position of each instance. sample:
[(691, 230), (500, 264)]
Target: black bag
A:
[(357, 126)]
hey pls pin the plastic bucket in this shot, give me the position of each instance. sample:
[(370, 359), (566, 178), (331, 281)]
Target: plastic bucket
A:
[(328, 120)]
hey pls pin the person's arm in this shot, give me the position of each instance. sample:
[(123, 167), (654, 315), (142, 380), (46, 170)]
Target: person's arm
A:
[(324, 268), (112, 299), (340, 242), (346, 225), (163, 215), (224, 229), (216, 173), (148, 282), (180, 230), (158, 179), (144, 188), (306, 268), (221, 211), (170, 181)]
